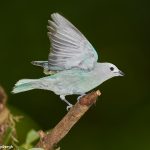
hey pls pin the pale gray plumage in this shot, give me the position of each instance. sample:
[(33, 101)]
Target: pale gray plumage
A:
[(69, 48), (72, 61)]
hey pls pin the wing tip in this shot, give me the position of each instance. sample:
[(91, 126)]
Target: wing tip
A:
[(55, 14)]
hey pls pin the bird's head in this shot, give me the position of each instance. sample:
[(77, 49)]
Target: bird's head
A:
[(109, 70), (113, 70)]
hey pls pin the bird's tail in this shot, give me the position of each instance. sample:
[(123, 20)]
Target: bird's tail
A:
[(24, 85), (43, 64)]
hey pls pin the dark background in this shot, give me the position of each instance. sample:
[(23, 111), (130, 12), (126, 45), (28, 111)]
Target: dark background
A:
[(119, 31)]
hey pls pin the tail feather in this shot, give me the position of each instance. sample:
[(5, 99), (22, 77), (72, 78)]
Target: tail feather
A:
[(43, 64), (24, 85)]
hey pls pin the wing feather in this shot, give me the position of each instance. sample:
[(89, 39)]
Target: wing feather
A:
[(69, 47)]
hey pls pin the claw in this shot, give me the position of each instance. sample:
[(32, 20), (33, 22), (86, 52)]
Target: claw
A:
[(69, 107), (64, 99), (80, 97)]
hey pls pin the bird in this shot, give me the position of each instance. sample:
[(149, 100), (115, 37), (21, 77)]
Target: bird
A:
[(72, 67)]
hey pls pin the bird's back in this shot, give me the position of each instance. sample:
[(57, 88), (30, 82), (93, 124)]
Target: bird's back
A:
[(73, 81)]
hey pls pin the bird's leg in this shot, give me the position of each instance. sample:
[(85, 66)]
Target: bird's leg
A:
[(62, 97), (79, 97)]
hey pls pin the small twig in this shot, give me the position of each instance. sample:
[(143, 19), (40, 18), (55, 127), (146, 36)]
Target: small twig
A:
[(3, 98), (50, 140), (4, 113), (7, 120)]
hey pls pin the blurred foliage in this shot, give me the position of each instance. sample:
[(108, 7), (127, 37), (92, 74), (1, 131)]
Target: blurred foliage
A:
[(21, 131), (119, 30), (24, 126), (10, 134), (32, 136)]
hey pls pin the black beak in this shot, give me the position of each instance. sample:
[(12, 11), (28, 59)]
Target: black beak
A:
[(121, 73)]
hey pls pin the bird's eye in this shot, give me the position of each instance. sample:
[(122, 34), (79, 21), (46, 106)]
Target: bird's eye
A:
[(111, 68)]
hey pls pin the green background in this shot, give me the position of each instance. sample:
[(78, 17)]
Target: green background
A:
[(119, 31)]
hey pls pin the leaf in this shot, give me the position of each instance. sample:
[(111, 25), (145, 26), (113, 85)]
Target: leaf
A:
[(26, 146), (36, 149), (31, 137), (7, 135), (21, 148)]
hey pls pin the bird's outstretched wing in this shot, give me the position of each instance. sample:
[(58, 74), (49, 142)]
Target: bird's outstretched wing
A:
[(69, 47)]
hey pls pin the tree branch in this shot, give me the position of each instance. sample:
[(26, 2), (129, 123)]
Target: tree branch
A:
[(50, 140)]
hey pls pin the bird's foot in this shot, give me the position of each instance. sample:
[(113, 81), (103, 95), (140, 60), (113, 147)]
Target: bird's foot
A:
[(64, 99), (69, 107), (80, 97)]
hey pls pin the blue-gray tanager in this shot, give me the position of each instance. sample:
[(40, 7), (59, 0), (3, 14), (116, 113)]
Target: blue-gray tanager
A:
[(72, 63)]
